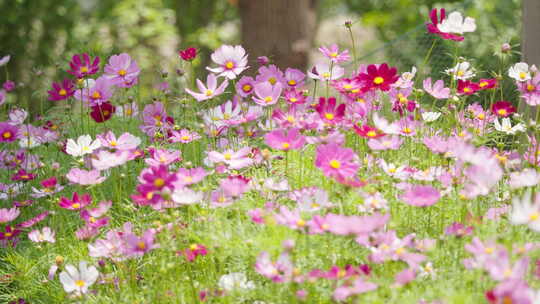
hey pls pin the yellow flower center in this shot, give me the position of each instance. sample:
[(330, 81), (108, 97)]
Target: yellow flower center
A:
[(272, 80), (96, 95), (522, 75), (483, 84), (481, 116), (333, 54), (335, 164), (407, 130), (347, 86), (300, 223), (62, 92), (268, 99), (371, 133), (285, 145), (159, 182), (7, 135), (502, 112), (185, 137), (75, 205), (227, 156), (290, 118), (400, 251), (460, 73), (292, 82), (193, 247), (80, 283), (489, 250), (141, 245), (534, 216), (229, 65), (325, 75), (329, 116), (8, 234), (209, 93), (378, 80), (122, 72), (466, 89), (246, 88), (530, 87), (293, 99), (84, 69)]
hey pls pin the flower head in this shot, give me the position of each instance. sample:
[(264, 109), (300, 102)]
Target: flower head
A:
[(78, 280), (231, 61), (81, 65), (61, 90), (210, 90)]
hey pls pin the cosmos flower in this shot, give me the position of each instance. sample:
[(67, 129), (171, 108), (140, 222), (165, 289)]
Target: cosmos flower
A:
[(334, 55), (336, 161), (520, 72), (84, 177), (78, 280), (329, 112), (436, 20), (61, 90), (231, 61), (503, 108), (378, 77), (285, 140), (210, 90), (8, 132), (188, 54), (44, 235), (437, 89), (76, 203), (102, 112), (421, 196), (8, 215), (455, 24), (267, 94), (122, 71), (506, 126), (325, 72), (84, 145), (83, 67)]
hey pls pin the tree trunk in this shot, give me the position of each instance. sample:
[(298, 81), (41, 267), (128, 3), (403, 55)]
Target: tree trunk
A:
[(283, 30), (530, 40)]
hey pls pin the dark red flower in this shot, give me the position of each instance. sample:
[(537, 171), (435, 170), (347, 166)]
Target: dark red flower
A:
[(102, 112), (503, 108), (378, 77), (9, 233), (466, 87), (188, 54), (435, 20), (22, 175), (61, 91)]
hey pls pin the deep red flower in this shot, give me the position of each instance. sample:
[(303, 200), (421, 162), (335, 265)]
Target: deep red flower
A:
[(22, 175), (188, 54), (435, 20), (503, 108), (466, 87), (102, 112), (9, 233), (61, 91), (378, 77), (368, 131)]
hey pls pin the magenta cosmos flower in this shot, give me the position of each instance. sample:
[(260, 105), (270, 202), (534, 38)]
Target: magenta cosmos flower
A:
[(436, 20), (8, 133), (61, 90), (122, 71), (334, 55), (82, 67), (76, 203), (421, 196), (285, 140), (99, 93), (328, 111), (378, 77), (211, 89), (336, 161), (231, 61)]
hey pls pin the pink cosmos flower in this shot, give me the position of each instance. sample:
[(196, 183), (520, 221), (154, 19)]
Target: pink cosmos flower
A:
[(285, 140), (267, 94), (99, 93), (184, 136), (458, 229), (126, 141), (210, 90), (334, 55), (84, 177), (76, 203), (280, 271), (234, 159), (290, 218), (137, 246), (324, 72), (8, 215), (421, 196), (530, 90), (50, 187), (81, 68), (234, 185), (163, 157), (231, 61), (105, 160), (94, 216), (44, 235), (329, 112), (336, 161), (385, 143), (186, 177), (122, 71), (61, 90), (8, 132), (357, 287), (271, 74), (294, 78), (244, 87), (436, 89), (193, 252)]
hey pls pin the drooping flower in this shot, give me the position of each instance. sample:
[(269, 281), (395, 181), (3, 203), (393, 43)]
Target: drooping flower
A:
[(334, 55), (78, 280), (285, 140), (61, 90), (81, 68), (421, 196), (231, 61), (210, 90), (437, 89), (122, 71), (378, 77), (336, 161)]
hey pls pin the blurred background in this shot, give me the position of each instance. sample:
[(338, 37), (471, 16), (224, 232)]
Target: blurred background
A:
[(41, 36)]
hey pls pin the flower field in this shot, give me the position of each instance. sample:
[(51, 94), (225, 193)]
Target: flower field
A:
[(348, 183)]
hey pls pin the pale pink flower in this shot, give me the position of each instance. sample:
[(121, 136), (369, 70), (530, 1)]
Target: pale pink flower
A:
[(84, 177), (45, 235), (210, 90), (436, 89)]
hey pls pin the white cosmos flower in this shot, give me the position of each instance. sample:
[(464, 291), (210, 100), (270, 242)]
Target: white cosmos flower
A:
[(28, 142), (186, 196), (430, 116), (506, 126), (526, 212), (462, 71), (84, 145), (45, 235), (520, 72), (235, 281), (455, 24), (78, 280)]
